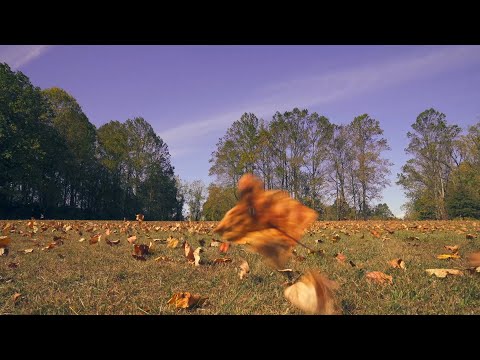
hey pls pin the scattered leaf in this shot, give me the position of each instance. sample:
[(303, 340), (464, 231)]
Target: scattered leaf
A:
[(95, 239), (139, 257), (470, 236), (13, 265), (172, 242), (140, 250), (132, 239), (81, 240), (185, 300), (3, 251), (448, 256), (139, 217), (474, 259), (441, 273), (269, 222), (379, 277), (163, 258), (5, 241), (352, 264), (112, 242), (215, 243), (224, 247), (452, 248), (27, 251), (188, 252), (244, 269), (222, 260), (313, 293), (340, 257), (15, 297), (397, 263), (196, 255)]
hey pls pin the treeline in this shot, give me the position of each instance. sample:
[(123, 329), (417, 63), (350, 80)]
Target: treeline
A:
[(442, 178), (338, 170), (54, 162)]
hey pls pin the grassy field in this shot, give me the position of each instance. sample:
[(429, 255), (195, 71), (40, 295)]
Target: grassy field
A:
[(73, 277)]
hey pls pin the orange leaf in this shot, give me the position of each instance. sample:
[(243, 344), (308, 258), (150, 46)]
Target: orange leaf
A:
[(474, 259), (139, 217), (95, 239), (188, 252), (140, 250), (313, 293), (265, 220), (27, 251), (185, 300), (452, 248), (224, 247), (379, 277), (5, 241), (15, 297), (132, 239), (196, 255), (172, 242), (340, 257), (397, 263)]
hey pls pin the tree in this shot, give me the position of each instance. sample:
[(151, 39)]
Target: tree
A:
[(382, 212), (219, 201), (425, 176), (195, 196)]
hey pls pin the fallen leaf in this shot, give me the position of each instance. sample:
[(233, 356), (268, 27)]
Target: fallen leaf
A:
[(470, 236), (448, 256), (139, 217), (222, 260), (224, 247), (27, 251), (313, 293), (13, 265), (215, 244), (352, 264), (140, 250), (188, 252), (452, 248), (5, 241), (112, 242), (244, 269), (4, 251), (163, 258), (15, 297), (139, 257), (441, 273), (196, 255), (269, 222), (132, 239), (340, 257), (397, 263), (81, 240), (95, 239), (185, 300), (379, 277), (474, 259), (172, 242)]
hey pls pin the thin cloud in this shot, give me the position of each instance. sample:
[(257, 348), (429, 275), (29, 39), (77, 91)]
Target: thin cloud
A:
[(17, 56), (327, 88)]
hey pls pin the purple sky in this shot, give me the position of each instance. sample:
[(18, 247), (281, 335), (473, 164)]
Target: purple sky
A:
[(192, 94)]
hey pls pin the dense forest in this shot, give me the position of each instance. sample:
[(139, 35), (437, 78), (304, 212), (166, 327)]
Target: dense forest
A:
[(54, 162)]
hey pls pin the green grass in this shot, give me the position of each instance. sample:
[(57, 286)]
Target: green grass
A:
[(79, 278)]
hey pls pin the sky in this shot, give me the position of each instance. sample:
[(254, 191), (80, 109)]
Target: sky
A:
[(192, 94)]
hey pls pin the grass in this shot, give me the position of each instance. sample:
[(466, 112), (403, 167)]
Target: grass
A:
[(80, 278)]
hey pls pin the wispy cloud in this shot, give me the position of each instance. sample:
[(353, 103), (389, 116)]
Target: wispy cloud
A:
[(17, 56), (323, 88)]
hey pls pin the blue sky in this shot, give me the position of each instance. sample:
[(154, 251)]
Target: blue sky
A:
[(192, 94)]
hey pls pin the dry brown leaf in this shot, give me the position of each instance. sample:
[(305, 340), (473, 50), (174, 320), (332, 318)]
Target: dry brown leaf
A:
[(112, 242), (15, 297), (27, 251), (375, 233), (188, 252), (223, 248), (4, 251), (352, 264), (397, 263), (313, 293), (379, 277), (340, 257), (474, 259), (163, 258), (139, 257), (140, 250), (222, 260), (448, 256), (172, 242), (215, 243), (470, 236), (441, 273), (452, 248), (81, 240), (244, 269), (196, 255), (95, 239), (5, 241), (132, 239), (13, 265), (270, 222), (185, 300)]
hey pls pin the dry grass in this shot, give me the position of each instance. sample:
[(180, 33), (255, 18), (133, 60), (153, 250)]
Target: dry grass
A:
[(80, 278)]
